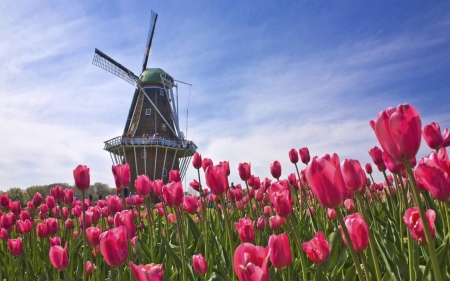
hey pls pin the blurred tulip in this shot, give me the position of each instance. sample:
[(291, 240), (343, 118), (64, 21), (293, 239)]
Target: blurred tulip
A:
[(331, 214), (261, 223), (4, 200), (197, 160), (171, 218), (149, 272), (157, 188), (114, 204), (173, 194), (55, 241), (293, 156), (244, 171), (275, 169), (267, 211), (68, 196), (190, 204), (199, 264), (246, 230), (15, 246), (143, 185), (69, 225), (121, 174), (4, 235), (358, 231), (93, 235), (114, 246), (250, 263), (37, 199), (415, 226), (206, 162), (82, 177), (89, 268), (368, 168), (317, 249), (174, 176), (392, 165), (349, 205), (195, 185), (275, 222), (59, 257)]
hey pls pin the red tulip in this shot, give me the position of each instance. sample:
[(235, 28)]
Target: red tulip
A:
[(349, 205), (353, 175), (197, 160), (114, 246), (174, 176), (326, 182), (121, 174), (304, 155), (15, 246), (358, 231), (317, 249), (250, 263), (415, 225), (399, 131), (275, 169), (433, 172), (246, 230), (143, 185), (7, 220), (149, 272), (432, 135), (206, 162), (199, 264), (93, 235), (82, 177), (37, 199), (280, 251), (114, 204), (59, 257), (173, 194), (261, 223), (216, 179), (293, 156), (244, 171)]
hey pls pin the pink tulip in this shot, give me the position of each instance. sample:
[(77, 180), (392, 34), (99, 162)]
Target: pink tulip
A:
[(125, 218), (68, 196), (173, 194), (267, 211), (250, 263), (14, 207), (59, 257), (206, 162), (121, 174), (149, 272), (89, 268), (349, 205), (82, 177), (304, 155), (171, 218), (368, 168), (226, 167), (15, 246), (353, 175), (93, 235), (280, 251), (415, 226), (244, 171), (197, 160), (58, 193), (216, 179), (392, 165), (143, 185), (331, 214), (432, 135), (275, 222), (326, 181), (55, 241), (4, 200), (199, 264), (174, 176), (53, 226), (24, 227), (7, 220), (42, 230), (157, 187), (261, 223), (114, 204), (4, 235), (114, 246), (399, 131), (195, 185), (317, 249), (293, 156), (190, 204), (69, 225), (275, 169), (358, 231), (282, 202), (246, 230), (37, 199)]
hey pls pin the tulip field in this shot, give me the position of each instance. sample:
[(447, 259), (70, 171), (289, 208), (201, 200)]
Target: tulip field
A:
[(328, 220)]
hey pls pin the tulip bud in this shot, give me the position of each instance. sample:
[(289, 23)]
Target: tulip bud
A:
[(173, 194), (280, 251), (261, 223), (358, 231), (199, 264), (244, 171), (15, 246), (197, 160), (143, 185), (121, 174), (59, 257), (82, 177), (114, 246), (415, 226), (275, 169), (432, 135), (304, 155), (245, 228), (293, 156)]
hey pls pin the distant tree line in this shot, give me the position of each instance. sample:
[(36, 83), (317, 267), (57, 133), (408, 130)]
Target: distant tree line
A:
[(25, 195)]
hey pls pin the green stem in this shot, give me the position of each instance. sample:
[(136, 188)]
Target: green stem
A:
[(228, 227), (120, 269), (364, 262), (290, 226), (203, 214), (19, 268), (411, 258), (66, 275), (84, 235), (430, 241), (181, 235), (150, 234), (350, 244)]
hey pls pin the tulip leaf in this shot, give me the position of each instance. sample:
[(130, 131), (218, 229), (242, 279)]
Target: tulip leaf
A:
[(390, 265), (216, 277), (172, 253), (335, 242), (351, 274)]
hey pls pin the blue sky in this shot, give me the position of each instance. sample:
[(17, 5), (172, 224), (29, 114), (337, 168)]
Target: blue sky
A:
[(267, 76)]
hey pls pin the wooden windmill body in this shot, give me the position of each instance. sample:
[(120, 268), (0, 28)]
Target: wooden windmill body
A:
[(152, 142)]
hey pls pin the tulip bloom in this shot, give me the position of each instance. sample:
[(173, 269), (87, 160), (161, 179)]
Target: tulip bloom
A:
[(326, 182), (197, 160), (125, 218), (114, 246), (14, 206), (358, 231), (275, 169), (280, 251), (317, 249), (37, 199), (399, 131), (15, 246), (392, 165), (304, 155), (433, 172), (55, 241), (275, 222), (432, 135), (353, 175), (157, 187), (349, 205), (93, 235), (250, 262), (143, 185), (246, 230), (199, 264), (216, 179), (24, 226), (59, 257), (415, 226), (261, 223), (190, 204), (114, 204), (368, 168), (174, 176), (52, 225), (173, 194), (331, 213), (282, 202), (121, 174), (293, 156), (195, 185), (149, 272), (206, 162), (7, 220), (82, 177), (244, 171)]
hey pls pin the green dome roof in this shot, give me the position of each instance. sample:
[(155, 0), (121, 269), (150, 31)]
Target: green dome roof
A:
[(153, 76)]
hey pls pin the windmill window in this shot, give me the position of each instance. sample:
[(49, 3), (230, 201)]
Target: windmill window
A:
[(148, 111), (164, 172), (164, 127), (161, 92), (144, 153)]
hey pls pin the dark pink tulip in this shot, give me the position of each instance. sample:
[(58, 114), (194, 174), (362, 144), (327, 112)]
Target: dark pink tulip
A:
[(153, 272), (89, 268), (399, 131), (68, 196), (304, 155), (377, 155), (55, 241), (143, 185), (415, 226), (69, 225), (93, 235), (244, 171), (82, 177), (250, 263), (368, 168), (14, 206), (59, 257), (280, 251), (157, 187), (121, 174), (433, 172), (190, 204), (317, 249), (267, 211), (195, 185), (392, 165), (246, 230), (216, 179), (254, 182), (37, 199), (174, 176), (4, 200), (58, 193), (53, 226), (173, 194), (4, 234), (275, 169), (326, 182), (293, 156), (114, 204), (282, 202), (25, 215), (125, 218), (50, 202), (76, 211), (353, 175), (114, 246), (446, 138), (206, 162), (42, 230), (432, 135), (349, 205), (24, 227), (199, 264), (171, 218), (101, 203), (292, 179), (358, 230), (15, 246), (197, 160), (226, 167), (261, 223), (7, 220), (331, 214)]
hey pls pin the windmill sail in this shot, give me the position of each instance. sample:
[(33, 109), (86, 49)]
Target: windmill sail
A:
[(103, 61), (151, 31)]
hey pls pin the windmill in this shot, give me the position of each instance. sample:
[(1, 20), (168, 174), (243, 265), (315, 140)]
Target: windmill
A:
[(152, 142)]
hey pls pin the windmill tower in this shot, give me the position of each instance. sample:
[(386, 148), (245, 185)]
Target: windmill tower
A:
[(152, 142)]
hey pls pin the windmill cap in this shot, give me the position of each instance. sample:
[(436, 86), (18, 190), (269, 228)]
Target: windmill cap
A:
[(153, 76)]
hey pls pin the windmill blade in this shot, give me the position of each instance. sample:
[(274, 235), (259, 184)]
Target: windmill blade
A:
[(103, 61), (151, 31)]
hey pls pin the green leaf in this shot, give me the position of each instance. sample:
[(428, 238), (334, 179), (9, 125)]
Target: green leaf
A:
[(335, 242)]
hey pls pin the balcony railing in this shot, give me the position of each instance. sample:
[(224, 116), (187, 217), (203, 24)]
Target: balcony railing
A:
[(150, 141)]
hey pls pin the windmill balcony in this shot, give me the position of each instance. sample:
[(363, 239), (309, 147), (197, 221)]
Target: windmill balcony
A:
[(150, 141)]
